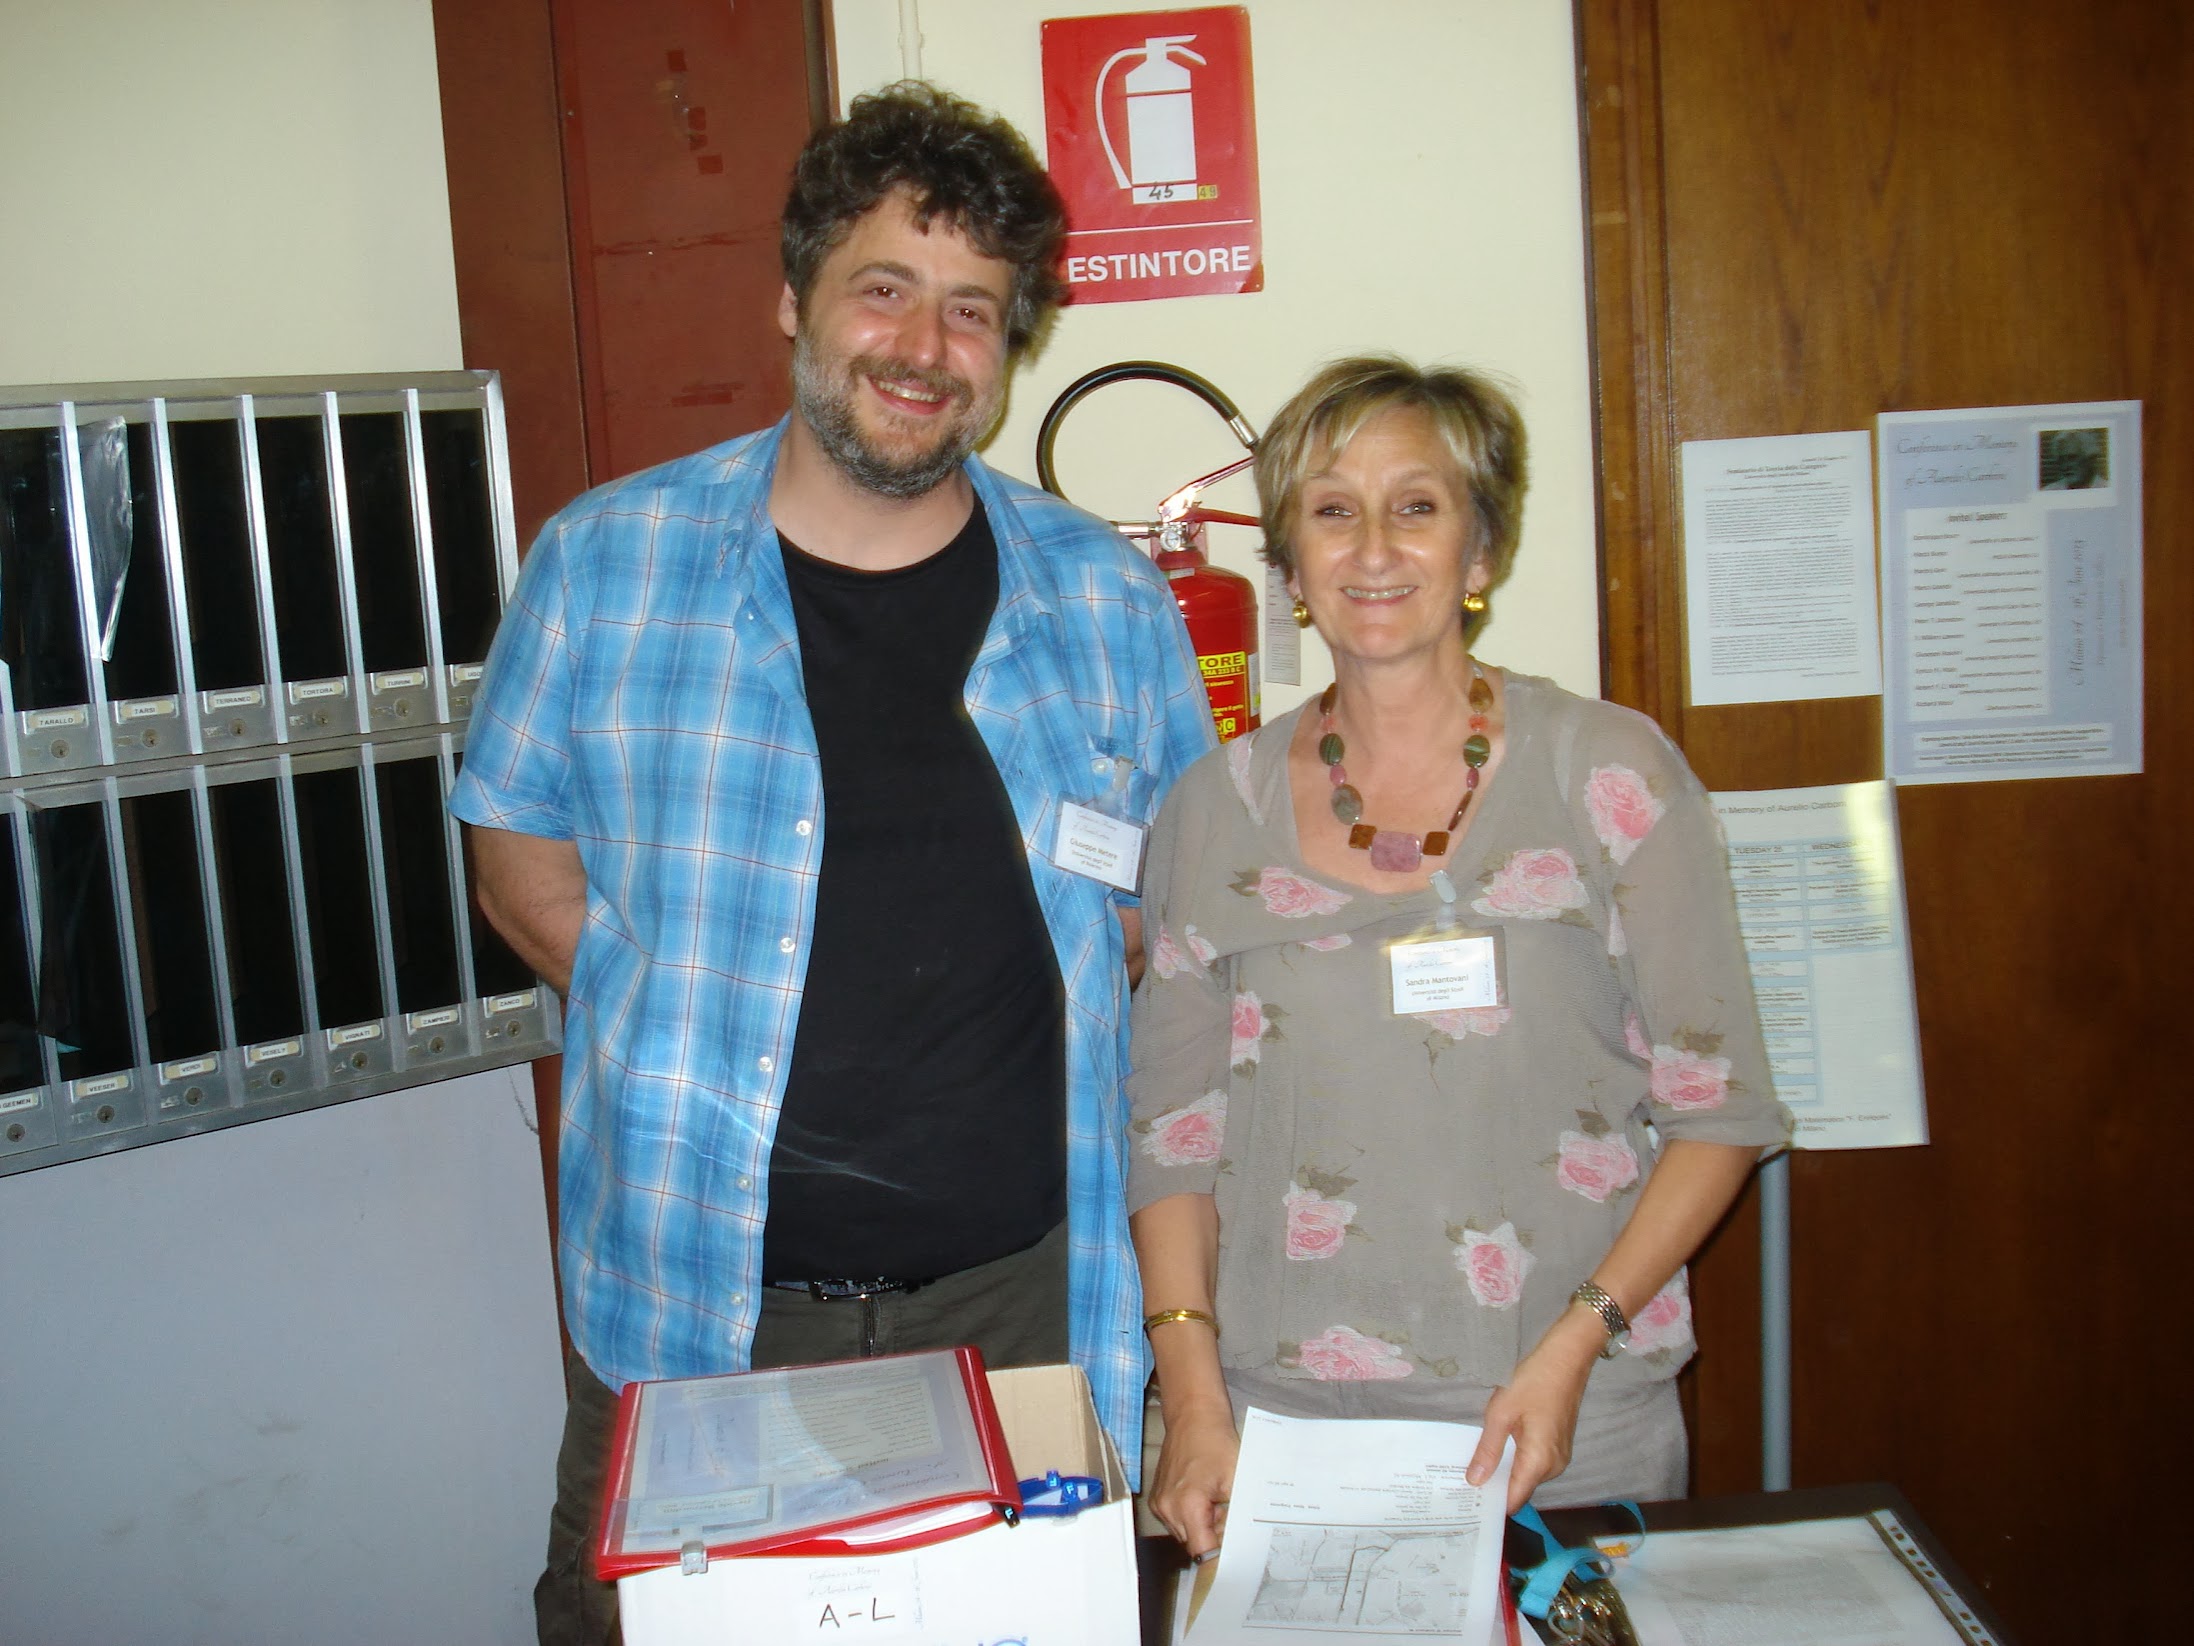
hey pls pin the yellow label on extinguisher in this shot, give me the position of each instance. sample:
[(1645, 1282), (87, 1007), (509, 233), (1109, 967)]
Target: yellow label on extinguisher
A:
[(1228, 683)]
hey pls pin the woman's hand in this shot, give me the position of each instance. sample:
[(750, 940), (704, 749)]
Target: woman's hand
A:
[(1177, 1243), (1537, 1407), (1690, 1190), (1195, 1477)]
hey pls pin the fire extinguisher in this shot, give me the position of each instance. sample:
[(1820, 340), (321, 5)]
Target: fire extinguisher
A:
[(1219, 606)]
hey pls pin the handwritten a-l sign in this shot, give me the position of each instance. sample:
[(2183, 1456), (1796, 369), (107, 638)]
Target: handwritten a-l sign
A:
[(1153, 143)]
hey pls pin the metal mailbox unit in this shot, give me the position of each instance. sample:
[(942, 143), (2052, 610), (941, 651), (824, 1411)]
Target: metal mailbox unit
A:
[(241, 626)]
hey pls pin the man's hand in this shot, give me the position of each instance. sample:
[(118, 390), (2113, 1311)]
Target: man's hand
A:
[(534, 892), (1131, 929)]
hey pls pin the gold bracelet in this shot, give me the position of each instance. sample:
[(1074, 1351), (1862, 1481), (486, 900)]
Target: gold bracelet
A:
[(1166, 1317)]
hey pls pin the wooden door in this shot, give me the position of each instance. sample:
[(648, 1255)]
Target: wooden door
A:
[(1805, 212), (616, 168)]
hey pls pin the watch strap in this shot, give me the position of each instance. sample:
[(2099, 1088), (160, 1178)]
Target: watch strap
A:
[(1596, 1298)]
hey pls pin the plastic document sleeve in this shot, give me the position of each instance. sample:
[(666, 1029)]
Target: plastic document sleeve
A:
[(850, 1457)]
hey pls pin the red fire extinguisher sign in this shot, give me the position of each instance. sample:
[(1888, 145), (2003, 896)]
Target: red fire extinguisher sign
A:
[(1151, 133)]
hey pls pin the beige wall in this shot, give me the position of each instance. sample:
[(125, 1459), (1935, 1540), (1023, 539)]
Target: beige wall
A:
[(1421, 192), (221, 189), (218, 1428)]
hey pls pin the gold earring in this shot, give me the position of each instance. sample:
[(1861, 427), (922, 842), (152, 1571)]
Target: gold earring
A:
[(1474, 602), (1302, 614)]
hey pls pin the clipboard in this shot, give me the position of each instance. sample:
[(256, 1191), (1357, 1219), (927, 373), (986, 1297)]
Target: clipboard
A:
[(847, 1457)]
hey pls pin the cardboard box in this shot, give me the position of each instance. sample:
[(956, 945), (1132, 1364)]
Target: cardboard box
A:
[(1066, 1581)]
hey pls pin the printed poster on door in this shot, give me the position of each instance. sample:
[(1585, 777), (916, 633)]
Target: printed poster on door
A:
[(2011, 592), (1151, 133)]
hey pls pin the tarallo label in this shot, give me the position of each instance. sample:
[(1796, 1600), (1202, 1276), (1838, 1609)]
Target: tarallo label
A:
[(53, 720)]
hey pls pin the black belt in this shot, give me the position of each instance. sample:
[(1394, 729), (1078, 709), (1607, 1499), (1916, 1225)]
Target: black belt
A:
[(842, 1291)]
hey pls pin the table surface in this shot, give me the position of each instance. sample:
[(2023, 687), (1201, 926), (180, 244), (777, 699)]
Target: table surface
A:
[(1698, 1514), (1160, 1558)]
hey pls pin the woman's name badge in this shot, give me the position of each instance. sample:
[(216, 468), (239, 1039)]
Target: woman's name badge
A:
[(1103, 848), (1446, 974)]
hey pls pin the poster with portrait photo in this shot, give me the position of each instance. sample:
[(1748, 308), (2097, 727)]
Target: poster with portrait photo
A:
[(2075, 460), (2011, 592)]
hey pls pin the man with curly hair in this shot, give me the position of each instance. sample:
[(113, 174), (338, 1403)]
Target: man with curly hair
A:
[(775, 772)]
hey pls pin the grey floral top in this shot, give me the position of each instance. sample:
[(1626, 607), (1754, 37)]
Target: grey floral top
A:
[(1416, 1196)]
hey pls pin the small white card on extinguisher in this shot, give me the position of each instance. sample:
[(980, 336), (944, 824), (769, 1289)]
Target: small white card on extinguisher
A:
[(1104, 848)]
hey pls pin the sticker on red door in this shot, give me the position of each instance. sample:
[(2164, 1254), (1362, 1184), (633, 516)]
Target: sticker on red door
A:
[(1152, 140)]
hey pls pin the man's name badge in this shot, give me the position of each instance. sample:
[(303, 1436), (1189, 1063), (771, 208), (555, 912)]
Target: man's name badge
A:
[(1447, 974), (1103, 848)]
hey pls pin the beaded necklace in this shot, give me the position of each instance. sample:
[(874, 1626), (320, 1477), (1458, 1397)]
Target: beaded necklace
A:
[(1392, 851)]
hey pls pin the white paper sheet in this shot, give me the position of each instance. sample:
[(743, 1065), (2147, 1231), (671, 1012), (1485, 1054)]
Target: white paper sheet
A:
[(1358, 1529), (1779, 568), (1811, 1583), (2011, 584), (1820, 900)]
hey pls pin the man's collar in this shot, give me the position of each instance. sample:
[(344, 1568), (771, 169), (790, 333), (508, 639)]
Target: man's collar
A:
[(754, 468)]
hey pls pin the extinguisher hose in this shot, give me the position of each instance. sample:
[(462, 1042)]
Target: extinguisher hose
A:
[(1125, 371)]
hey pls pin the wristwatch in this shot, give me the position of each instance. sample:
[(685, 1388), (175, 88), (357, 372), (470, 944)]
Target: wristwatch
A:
[(1611, 1316)]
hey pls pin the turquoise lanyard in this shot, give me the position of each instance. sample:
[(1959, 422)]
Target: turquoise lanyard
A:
[(1541, 1583)]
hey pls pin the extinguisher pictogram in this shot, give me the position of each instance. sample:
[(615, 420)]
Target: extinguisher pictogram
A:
[(1161, 120), (1219, 606)]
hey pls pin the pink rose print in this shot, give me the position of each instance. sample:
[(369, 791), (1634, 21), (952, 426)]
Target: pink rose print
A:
[(1618, 944), (1293, 898), (1466, 1020), (1190, 1136), (1238, 771), (1165, 958), (1341, 1354), (1199, 947), (1332, 940), (1534, 884), (1248, 1030), (1595, 1167), (1634, 1037), (1316, 1226), (1622, 809), (1494, 1265), (1664, 1323), (1685, 1080)]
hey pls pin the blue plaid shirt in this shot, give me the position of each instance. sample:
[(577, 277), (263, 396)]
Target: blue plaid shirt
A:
[(644, 699)]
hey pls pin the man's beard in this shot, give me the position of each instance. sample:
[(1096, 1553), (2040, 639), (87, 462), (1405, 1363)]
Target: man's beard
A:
[(823, 391)]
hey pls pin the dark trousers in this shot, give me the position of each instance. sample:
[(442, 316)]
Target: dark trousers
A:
[(1014, 1310)]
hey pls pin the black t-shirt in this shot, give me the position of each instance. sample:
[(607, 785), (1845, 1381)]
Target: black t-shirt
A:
[(924, 1123)]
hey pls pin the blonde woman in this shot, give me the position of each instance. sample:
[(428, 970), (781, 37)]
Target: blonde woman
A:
[(1446, 1057)]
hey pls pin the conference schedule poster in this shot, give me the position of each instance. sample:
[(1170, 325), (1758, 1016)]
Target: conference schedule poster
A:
[(2011, 586)]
